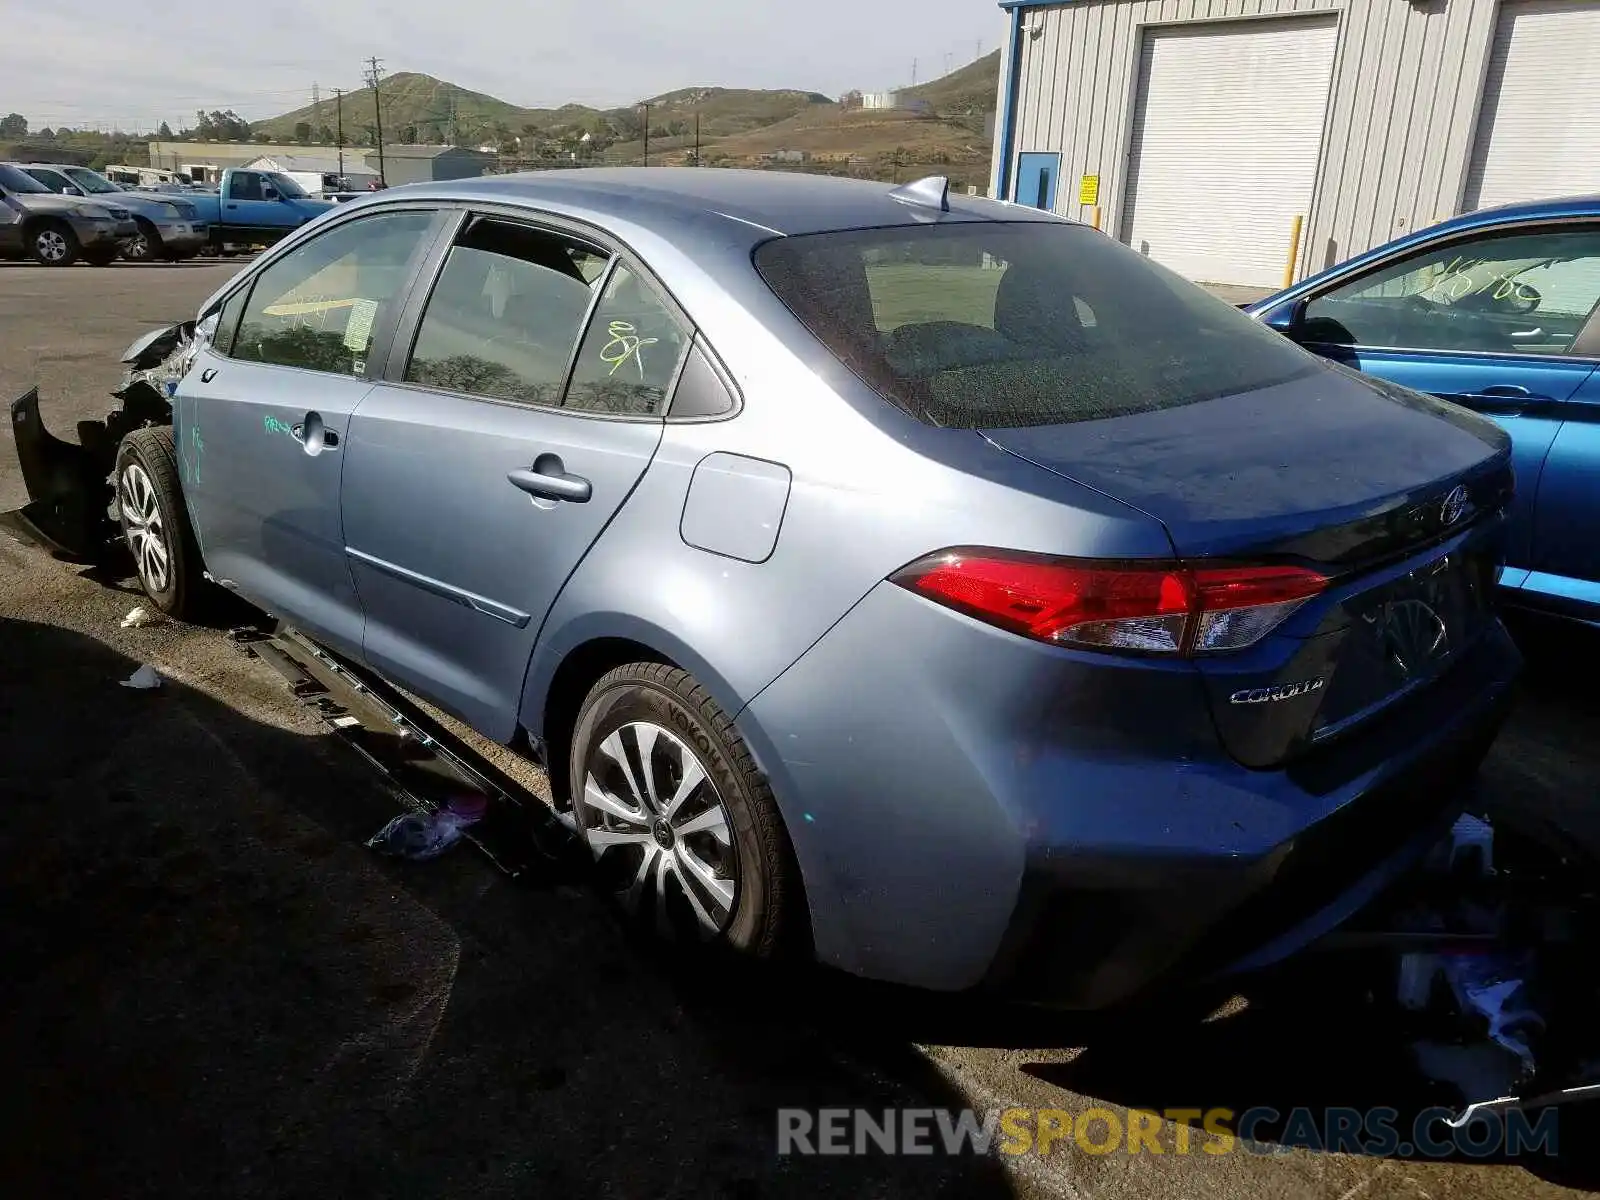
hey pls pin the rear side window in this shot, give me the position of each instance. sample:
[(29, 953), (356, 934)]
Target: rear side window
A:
[(505, 314), (997, 325), (630, 353), (317, 307)]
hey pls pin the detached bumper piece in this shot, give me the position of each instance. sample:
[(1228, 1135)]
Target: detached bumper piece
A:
[(68, 493)]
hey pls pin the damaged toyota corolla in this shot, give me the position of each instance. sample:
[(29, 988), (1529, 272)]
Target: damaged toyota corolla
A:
[(921, 580)]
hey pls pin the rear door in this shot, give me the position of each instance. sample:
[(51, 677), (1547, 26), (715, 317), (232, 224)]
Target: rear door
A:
[(1490, 321), (508, 430), (263, 414)]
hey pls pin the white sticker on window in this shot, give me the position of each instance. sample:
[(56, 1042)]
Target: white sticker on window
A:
[(359, 331)]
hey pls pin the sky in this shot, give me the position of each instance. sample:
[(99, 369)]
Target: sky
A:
[(131, 64)]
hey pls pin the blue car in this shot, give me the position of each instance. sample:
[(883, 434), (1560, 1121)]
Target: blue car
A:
[(923, 581), (1498, 311)]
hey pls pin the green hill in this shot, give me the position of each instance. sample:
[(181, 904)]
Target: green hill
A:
[(736, 124), (411, 102), (966, 92)]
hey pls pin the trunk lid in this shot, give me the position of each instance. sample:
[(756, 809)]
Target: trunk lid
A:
[(1397, 497)]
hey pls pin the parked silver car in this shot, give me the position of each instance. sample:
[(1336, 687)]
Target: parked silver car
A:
[(925, 580), (56, 231), (167, 229)]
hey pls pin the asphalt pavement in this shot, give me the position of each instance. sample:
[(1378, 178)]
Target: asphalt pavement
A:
[(211, 988)]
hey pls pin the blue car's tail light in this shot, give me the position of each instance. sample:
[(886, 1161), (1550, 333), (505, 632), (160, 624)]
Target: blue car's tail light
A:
[(1151, 608)]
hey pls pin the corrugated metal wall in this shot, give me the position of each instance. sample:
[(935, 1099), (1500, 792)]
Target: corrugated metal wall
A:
[(1401, 115)]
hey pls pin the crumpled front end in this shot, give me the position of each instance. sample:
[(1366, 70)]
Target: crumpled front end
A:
[(71, 504)]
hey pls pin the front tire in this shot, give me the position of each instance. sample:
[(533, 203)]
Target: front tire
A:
[(53, 244), (144, 246), (155, 523), (683, 827)]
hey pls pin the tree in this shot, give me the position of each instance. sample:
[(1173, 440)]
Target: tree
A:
[(47, 134), (408, 135), (325, 135), (165, 132), (13, 125), (302, 132)]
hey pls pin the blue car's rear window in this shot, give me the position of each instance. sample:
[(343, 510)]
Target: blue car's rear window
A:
[(982, 325)]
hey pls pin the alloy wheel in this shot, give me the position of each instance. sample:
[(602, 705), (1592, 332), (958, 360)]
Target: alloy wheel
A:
[(146, 531), (137, 247), (52, 246), (658, 828)]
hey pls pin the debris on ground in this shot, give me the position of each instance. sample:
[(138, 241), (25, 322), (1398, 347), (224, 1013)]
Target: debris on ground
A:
[(139, 618), (419, 837), (145, 677)]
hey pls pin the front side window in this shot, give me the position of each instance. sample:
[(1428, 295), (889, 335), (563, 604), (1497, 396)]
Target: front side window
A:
[(318, 306), (996, 325), (90, 182), (630, 352), (1522, 293), (54, 181), (503, 319), (245, 185)]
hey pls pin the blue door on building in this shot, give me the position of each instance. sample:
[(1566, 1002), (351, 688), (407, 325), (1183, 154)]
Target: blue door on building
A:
[(1036, 179)]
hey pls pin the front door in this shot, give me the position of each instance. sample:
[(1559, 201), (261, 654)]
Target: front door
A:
[(476, 477), (1566, 536), (262, 418), (1036, 180), (1492, 322)]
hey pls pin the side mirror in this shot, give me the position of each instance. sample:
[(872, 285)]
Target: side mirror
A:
[(270, 194), (1287, 318), (71, 190)]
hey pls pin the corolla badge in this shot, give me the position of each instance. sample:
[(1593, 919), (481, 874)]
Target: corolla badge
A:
[(1270, 695), (1454, 506)]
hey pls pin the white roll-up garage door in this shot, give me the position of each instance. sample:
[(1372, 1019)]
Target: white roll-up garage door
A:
[(1539, 125), (1227, 131)]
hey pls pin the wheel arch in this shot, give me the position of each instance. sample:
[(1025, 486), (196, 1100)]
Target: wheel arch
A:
[(564, 667)]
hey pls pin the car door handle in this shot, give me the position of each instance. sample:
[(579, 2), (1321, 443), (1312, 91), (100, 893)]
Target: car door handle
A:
[(208, 375), (548, 480), (1507, 400), (313, 434)]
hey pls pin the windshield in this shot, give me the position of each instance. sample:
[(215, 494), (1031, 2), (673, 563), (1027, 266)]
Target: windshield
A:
[(285, 185), (90, 182), (983, 325), (14, 180)]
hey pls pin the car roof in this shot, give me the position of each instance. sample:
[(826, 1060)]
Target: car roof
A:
[(1526, 210), (777, 202)]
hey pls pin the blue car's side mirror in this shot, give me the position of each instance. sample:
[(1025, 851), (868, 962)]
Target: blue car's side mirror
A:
[(1286, 318)]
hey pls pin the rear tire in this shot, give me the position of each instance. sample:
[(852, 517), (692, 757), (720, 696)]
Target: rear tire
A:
[(155, 523), (53, 244), (665, 863)]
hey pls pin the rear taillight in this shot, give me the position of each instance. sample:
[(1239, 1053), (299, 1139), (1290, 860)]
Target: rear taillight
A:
[(1154, 608)]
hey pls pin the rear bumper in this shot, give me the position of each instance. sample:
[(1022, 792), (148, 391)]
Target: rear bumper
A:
[(975, 811)]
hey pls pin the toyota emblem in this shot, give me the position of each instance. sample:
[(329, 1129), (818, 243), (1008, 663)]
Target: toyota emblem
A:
[(1455, 504)]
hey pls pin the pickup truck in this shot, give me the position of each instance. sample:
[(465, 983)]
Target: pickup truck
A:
[(254, 208)]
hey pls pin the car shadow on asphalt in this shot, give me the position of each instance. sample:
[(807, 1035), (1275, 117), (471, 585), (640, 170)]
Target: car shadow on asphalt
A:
[(211, 987)]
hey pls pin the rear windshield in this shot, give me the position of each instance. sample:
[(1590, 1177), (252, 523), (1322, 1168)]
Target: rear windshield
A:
[(995, 325)]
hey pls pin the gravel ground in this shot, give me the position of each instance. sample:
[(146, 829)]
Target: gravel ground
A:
[(211, 988)]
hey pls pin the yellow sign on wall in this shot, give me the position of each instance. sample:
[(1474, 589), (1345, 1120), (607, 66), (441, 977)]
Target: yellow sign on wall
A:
[(1089, 190)]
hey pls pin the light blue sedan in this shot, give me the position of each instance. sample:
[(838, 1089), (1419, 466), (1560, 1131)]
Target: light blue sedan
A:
[(1498, 311)]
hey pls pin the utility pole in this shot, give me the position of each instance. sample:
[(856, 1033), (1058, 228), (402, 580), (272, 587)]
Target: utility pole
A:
[(375, 67), (913, 72), (697, 137), (947, 63), (646, 108), (338, 137)]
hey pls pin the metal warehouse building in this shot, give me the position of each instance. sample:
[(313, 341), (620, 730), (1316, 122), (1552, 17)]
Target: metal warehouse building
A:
[(1207, 133)]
